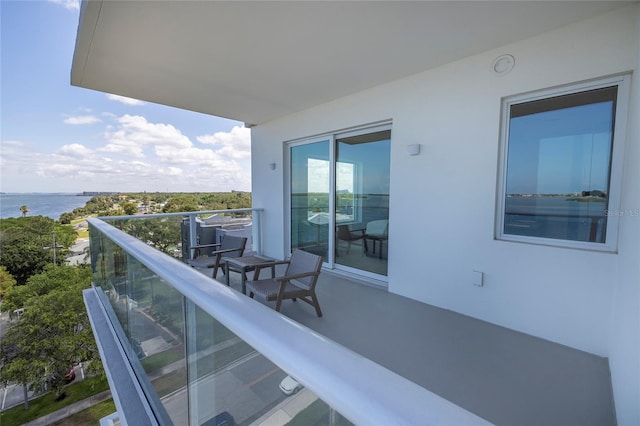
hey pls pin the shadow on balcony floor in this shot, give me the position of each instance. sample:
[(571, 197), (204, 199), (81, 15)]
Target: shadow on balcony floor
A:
[(504, 376)]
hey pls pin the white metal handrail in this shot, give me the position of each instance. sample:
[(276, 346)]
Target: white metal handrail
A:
[(361, 390)]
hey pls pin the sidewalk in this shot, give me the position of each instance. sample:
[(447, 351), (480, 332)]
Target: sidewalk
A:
[(74, 408)]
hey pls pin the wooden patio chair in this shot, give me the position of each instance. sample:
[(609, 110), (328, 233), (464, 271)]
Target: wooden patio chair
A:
[(298, 281), (345, 234), (229, 246)]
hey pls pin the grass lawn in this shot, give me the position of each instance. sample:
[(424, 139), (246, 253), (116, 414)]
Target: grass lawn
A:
[(84, 231), (317, 414), (90, 416), (47, 404)]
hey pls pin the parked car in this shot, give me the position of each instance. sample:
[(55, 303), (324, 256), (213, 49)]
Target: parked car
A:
[(70, 376), (289, 385)]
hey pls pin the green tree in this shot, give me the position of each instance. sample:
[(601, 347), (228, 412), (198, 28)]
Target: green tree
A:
[(26, 244), (6, 282), (66, 218), (182, 203), (130, 208), (54, 331)]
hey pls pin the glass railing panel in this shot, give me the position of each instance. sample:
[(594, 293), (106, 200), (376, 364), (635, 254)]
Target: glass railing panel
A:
[(203, 352), (229, 379), (175, 233), (110, 277), (162, 233), (151, 319), (156, 335)]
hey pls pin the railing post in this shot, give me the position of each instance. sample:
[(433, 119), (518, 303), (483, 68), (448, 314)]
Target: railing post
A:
[(256, 231), (193, 234)]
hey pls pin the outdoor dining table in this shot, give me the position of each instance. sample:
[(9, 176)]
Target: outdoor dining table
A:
[(245, 264)]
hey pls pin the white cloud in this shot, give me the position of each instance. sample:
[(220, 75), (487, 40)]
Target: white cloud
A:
[(75, 150), (235, 144), (68, 4), (82, 119), (136, 155), (134, 132), (125, 100)]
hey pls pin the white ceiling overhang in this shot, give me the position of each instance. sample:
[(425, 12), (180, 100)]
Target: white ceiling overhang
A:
[(257, 61)]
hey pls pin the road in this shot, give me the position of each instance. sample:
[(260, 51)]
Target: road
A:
[(247, 388), (78, 255)]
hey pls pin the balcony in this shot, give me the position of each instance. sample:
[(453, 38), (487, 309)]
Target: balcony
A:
[(180, 348)]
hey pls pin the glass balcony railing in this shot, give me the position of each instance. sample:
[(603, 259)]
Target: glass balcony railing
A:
[(196, 352)]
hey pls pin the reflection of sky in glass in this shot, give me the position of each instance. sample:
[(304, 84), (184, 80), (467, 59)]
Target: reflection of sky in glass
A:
[(345, 177), (314, 155), (318, 175), (560, 151), (372, 161), (365, 165)]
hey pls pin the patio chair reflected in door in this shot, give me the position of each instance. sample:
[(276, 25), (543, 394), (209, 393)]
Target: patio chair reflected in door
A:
[(341, 180), (362, 197)]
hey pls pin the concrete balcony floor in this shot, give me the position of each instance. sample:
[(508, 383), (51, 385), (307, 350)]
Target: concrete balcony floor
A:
[(501, 375)]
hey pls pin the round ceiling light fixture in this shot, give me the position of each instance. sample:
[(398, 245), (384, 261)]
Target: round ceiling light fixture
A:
[(503, 64)]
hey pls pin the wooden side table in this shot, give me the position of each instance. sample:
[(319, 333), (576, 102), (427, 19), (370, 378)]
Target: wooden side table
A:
[(243, 265)]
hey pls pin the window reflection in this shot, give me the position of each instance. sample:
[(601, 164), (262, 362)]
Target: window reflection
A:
[(361, 168), (558, 166), (362, 201)]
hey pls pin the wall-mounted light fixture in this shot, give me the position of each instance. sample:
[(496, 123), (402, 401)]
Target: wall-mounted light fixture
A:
[(272, 166), (413, 149)]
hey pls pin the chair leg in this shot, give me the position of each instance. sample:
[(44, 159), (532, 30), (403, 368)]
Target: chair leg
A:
[(215, 268), (316, 305)]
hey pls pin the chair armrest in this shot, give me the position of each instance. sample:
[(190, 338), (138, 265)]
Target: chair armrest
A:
[(205, 245), (260, 266), (227, 250), (295, 276)]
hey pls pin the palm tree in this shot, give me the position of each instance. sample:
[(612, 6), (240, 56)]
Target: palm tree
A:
[(24, 210)]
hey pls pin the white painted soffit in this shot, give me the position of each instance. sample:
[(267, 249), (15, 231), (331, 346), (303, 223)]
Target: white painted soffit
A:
[(257, 61)]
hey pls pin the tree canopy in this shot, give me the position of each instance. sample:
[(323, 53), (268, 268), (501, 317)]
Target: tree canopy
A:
[(26, 244), (40, 346), (6, 281)]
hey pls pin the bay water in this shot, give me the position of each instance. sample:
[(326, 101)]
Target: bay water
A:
[(40, 204)]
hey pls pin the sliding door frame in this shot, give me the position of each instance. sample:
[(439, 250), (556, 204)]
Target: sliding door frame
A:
[(331, 137)]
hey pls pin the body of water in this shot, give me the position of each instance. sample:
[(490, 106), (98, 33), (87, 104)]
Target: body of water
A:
[(556, 217), (49, 205)]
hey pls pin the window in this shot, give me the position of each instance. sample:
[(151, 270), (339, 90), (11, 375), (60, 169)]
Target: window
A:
[(561, 165)]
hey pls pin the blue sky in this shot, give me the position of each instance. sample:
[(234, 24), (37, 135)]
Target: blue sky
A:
[(58, 138), (561, 151)]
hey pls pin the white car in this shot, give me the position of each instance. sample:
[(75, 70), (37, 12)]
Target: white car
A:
[(289, 385)]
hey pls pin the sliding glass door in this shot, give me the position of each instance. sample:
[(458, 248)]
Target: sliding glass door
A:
[(362, 201), (340, 199)]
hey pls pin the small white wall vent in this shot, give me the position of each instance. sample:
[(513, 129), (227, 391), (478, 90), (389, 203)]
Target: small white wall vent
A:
[(503, 64)]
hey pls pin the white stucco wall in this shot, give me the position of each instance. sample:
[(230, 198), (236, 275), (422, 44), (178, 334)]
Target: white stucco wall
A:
[(442, 206), (624, 352)]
